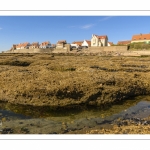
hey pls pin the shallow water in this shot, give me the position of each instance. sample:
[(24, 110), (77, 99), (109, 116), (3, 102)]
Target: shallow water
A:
[(135, 107)]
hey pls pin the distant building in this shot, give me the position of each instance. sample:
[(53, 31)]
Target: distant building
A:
[(25, 45), (78, 43), (141, 38), (34, 45), (99, 41), (110, 44), (53, 45), (127, 42), (61, 44), (13, 47), (86, 43), (44, 45)]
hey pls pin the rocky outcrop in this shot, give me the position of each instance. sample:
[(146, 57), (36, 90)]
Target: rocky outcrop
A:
[(64, 81)]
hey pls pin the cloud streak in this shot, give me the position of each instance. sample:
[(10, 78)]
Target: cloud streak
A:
[(88, 26), (106, 18), (0, 28)]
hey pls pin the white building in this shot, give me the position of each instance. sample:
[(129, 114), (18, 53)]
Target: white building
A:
[(86, 43), (99, 40)]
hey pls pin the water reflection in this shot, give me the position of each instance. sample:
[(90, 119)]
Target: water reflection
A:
[(120, 109)]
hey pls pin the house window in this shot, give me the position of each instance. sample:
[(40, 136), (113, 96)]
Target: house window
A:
[(134, 39), (144, 38)]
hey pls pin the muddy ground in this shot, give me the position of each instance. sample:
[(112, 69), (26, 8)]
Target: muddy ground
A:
[(68, 81)]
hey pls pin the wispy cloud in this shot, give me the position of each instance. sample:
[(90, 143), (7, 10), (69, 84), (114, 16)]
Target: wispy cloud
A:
[(0, 28), (88, 26), (106, 18)]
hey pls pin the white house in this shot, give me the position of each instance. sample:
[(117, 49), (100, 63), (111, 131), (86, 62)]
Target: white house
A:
[(46, 44), (99, 40), (86, 43)]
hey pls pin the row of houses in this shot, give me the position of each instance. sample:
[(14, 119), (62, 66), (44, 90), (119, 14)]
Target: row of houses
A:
[(96, 40), (34, 45), (135, 39)]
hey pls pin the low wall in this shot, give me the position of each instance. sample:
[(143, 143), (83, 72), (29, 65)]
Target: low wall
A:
[(108, 48), (136, 53), (112, 50), (143, 52), (60, 50), (38, 50)]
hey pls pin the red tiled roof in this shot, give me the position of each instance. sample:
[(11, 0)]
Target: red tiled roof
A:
[(141, 37), (101, 36), (78, 42), (35, 44), (124, 42), (22, 45), (44, 43), (62, 42), (111, 43)]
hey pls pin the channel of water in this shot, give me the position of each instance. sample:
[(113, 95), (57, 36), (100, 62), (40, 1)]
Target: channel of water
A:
[(135, 107)]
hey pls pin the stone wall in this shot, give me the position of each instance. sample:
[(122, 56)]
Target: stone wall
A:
[(40, 50), (108, 48), (36, 50)]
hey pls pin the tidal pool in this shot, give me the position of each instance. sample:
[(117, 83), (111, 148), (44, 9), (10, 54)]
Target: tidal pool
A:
[(139, 106)]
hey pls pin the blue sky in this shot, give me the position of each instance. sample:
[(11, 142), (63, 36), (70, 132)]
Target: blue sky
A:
[(19, 29)]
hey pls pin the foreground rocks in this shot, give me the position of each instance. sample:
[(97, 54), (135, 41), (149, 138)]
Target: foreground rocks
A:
[(64, 81), (82, 126)]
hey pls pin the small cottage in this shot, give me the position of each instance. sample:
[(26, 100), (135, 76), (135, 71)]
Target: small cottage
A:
[(61, 44), (45, 45), (34, 45)]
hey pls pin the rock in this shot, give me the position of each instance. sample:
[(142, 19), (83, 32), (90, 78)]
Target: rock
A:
[(7, 131)]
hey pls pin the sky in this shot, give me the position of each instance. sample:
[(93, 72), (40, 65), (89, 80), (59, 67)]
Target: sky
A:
[(19, 29)]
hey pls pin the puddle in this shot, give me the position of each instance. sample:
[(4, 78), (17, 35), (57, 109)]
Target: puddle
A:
[(138, 107)]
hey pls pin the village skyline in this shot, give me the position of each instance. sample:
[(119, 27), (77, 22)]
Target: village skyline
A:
[(20, 29)]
